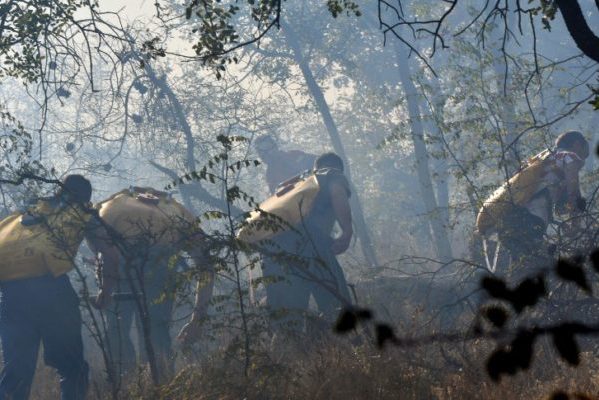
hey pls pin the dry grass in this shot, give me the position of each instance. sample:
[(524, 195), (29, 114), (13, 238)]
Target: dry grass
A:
[(340, 369), (337, 370)]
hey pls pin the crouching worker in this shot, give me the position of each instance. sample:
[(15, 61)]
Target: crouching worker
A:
[(38, 303), (151, 228), (521, 209), (300, 259)]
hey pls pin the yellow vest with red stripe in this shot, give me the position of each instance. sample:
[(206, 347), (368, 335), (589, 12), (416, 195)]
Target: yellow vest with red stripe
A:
[(47, 246), (149, 222), (291, 204), (517, 191)]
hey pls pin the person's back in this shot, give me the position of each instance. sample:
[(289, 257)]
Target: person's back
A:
[(148, 219), (520, 212), (150, 228), (302, 261)]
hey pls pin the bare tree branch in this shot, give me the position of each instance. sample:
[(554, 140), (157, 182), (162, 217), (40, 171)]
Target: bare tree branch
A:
[(196, 190), (580, 31)]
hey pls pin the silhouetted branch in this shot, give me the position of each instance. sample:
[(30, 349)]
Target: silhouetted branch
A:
[(196, 190), (580, 31)]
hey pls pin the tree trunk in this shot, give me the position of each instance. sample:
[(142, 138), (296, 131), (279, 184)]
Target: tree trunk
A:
[(177, 111), (581, 32), (189, 190), (359, 221), (421, 155), (436, 104)]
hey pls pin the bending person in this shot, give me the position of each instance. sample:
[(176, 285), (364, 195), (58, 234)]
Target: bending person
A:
[(302, 261), (39, 304), (521, 210), (152, 228)]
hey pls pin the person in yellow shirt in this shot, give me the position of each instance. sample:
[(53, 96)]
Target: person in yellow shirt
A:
[(38, 303), (520, 211), (151, 228), (302, 262)]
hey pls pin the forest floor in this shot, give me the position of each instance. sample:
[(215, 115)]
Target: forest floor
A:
[(341, 369), (329, 366)]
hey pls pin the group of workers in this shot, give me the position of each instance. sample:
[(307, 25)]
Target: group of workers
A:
[(138, 231), (134, 232)]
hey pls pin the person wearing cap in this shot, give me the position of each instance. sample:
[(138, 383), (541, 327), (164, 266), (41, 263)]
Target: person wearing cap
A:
[(38, 303), (152, 229), (302, 262), (521, 220)]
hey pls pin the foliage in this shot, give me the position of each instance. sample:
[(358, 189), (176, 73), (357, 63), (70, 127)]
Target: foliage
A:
[(50, 42), (29, 31), (169, 112), (216, 25), (227, 249), (515, 343)]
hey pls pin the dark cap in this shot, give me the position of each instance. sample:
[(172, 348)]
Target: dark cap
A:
[(76, 188), (329, 160), (567, 139)]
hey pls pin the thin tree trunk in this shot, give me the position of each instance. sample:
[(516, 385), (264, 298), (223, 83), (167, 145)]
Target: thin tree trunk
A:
[(594, 141), (188, 190), (441, 174), (508, 119), (362, 231), (177, 111), (421, 155)]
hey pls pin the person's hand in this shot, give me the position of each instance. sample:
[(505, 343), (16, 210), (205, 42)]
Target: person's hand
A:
[(572, 228), (340, 244), (190, 333), (581, 204), (102, 299)]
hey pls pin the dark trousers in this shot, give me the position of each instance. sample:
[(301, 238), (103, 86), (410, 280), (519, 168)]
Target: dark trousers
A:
[(294, 270), (41, 310), (523, 236), (123, 313)]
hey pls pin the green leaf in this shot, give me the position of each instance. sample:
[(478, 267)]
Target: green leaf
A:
[(566, 345), (497, 316), (346, 322), (572, 272)]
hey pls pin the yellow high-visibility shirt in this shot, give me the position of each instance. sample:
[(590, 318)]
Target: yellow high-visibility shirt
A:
[(147, 225), (46, 245)]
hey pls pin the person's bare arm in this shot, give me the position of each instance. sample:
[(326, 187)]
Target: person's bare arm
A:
[(342, 210), (100, 242), (571, 171), (205, 284), (575, 204), (204, 288), (194, 242)]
